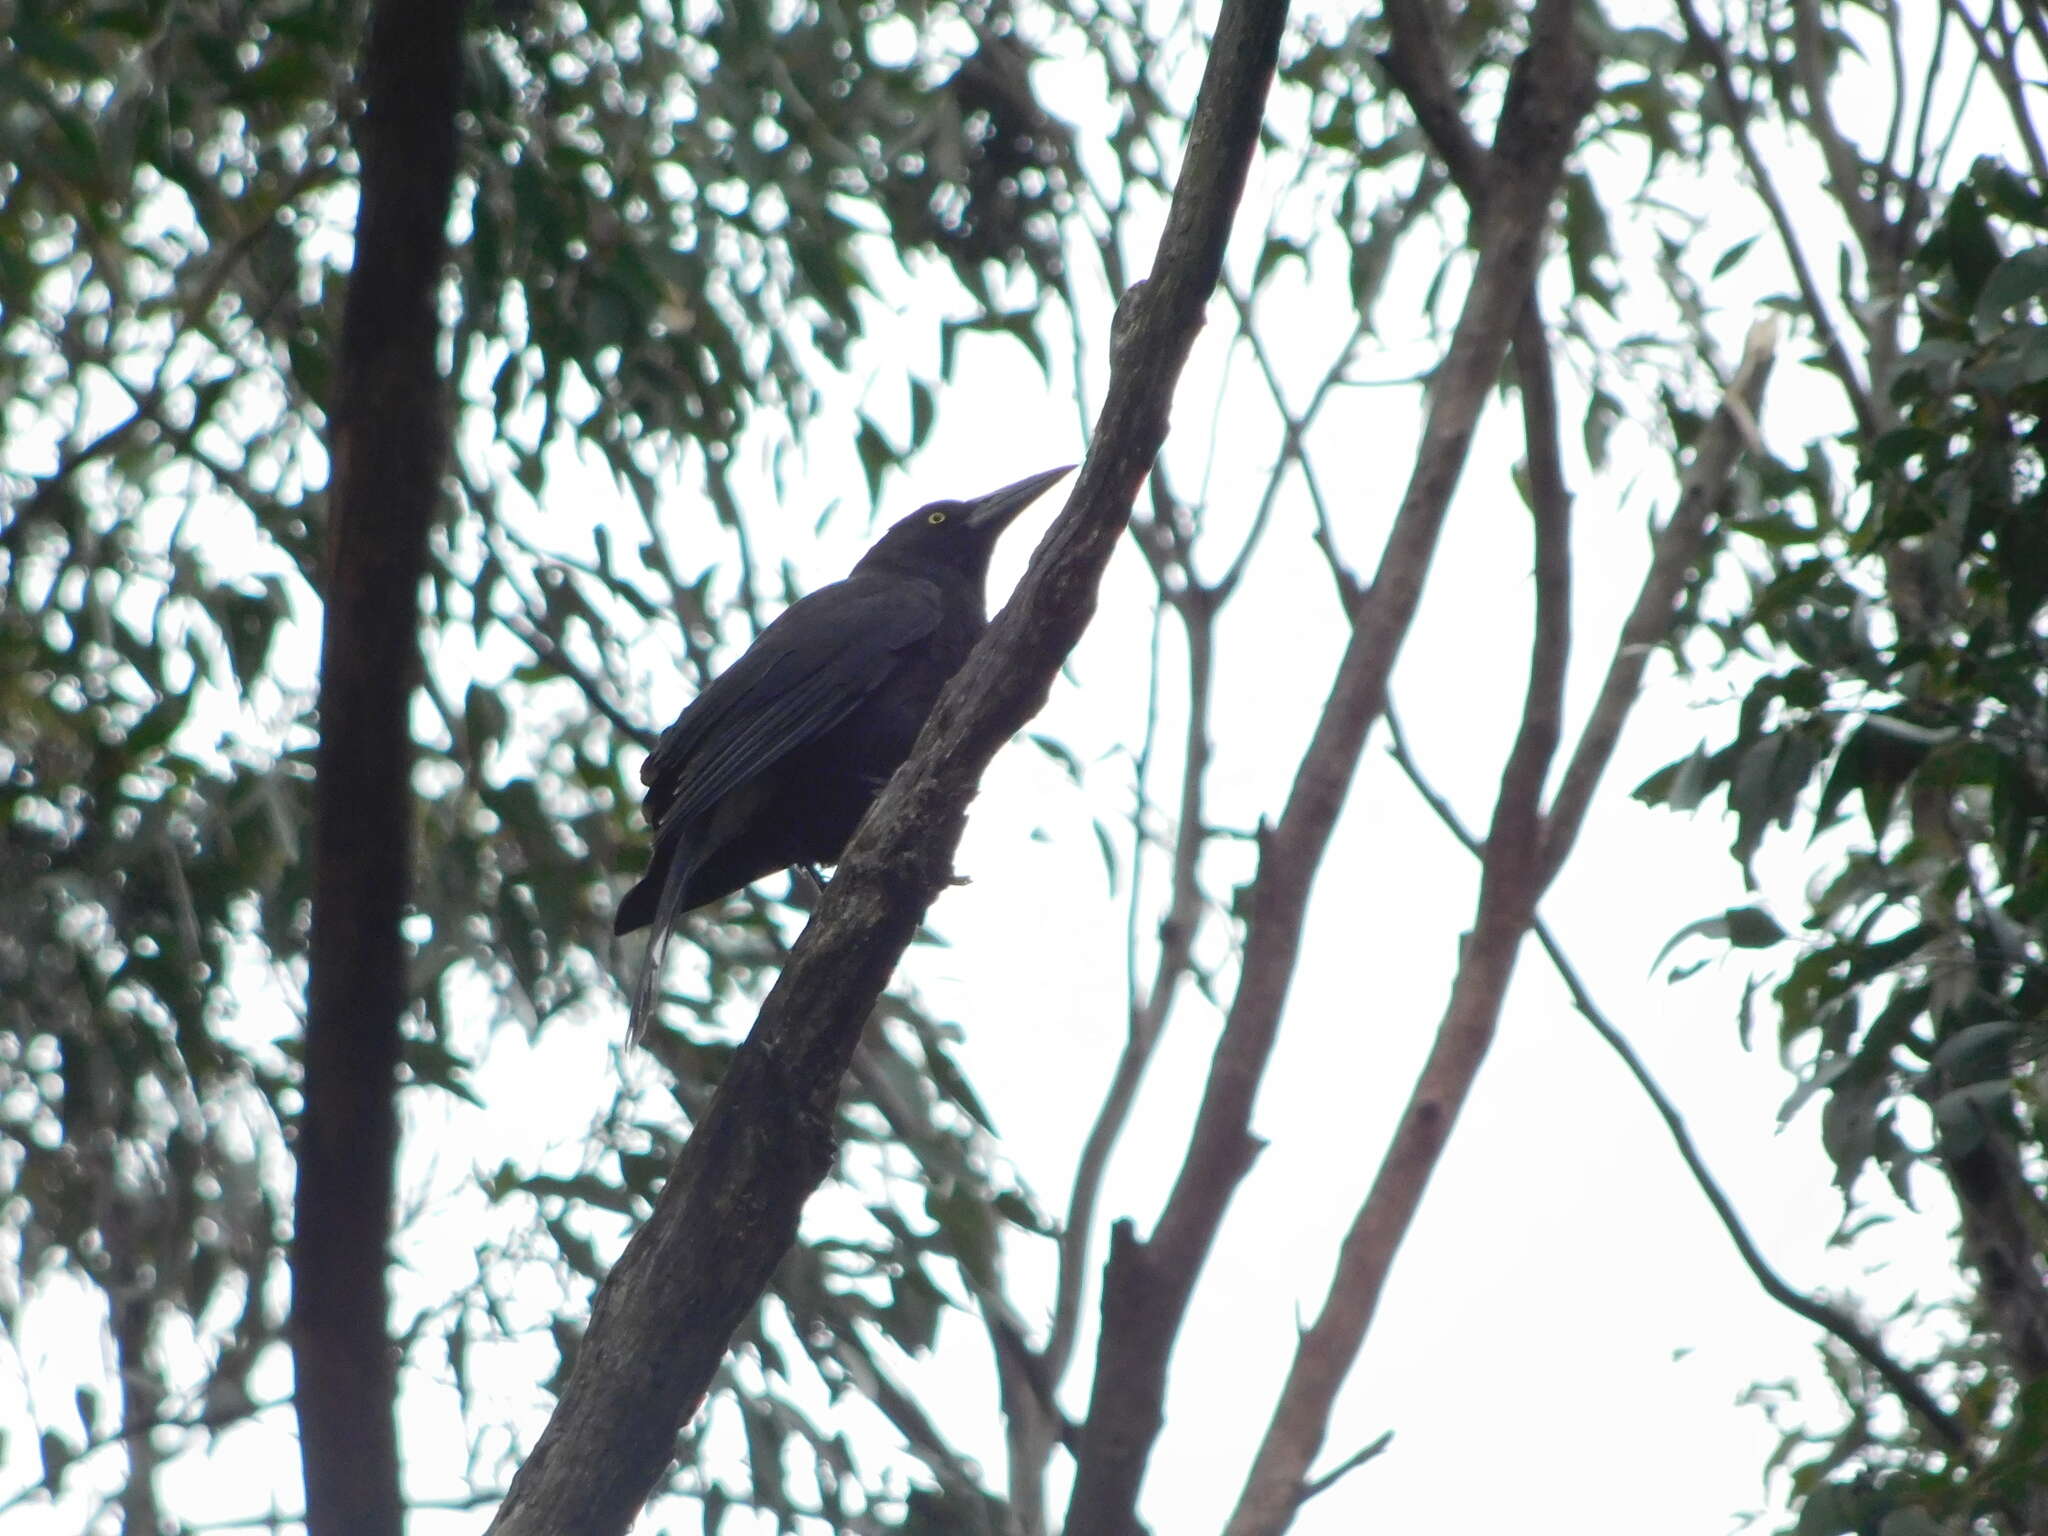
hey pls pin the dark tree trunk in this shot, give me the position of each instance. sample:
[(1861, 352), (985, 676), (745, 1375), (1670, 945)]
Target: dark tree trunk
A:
[(388, 439)]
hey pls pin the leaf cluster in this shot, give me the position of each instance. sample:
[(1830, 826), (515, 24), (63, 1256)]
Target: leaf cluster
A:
[(667, 224), (1901, 722)]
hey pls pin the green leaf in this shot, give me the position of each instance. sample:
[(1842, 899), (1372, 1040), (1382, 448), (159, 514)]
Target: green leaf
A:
[(876, 456), (923, 413), (1752, 928), (1588, 242), (1276, 250), (2015, 282), (1742, 927), (1727, 260)]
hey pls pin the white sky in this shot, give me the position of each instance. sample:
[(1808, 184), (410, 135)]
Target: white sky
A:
[(1566, 1335)]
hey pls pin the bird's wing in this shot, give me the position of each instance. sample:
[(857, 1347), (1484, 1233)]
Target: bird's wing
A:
[(807, 672)]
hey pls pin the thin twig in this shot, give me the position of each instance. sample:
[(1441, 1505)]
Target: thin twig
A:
[(2005, 73), (207, 1421), (545, 647), (1512, 879), (1414, 61), (1844, 163), (1917, 171), (1147, 1021), (1346, 1467), (1148, 1285), (1737, 109), (1677, 547), (1294, 434), (1903, 1382)]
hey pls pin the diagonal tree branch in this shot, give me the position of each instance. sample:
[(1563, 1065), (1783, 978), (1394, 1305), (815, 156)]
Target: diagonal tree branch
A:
[(1520, 857), (1148, 1284), (1414, 61), (1148, 1015), (2003, 63), (1836, 354), (1512, 878), (664, 1317), (1902, 1382), (1677, 549)]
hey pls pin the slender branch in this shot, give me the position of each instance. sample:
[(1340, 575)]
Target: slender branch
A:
[(2036, 24), (1737, 109), (1895, 126), (902, 1409), (1148, 1019), (2005, 73), (1294, 437), (1903, 1383), (547, 649), (1845, 165), (1880, 240), (1918, 173), (1414, 61), (208, 1420), (1141, 800), (1029, 1412), (1148, 1285), (1346, 1467), (665, 1315), (1513, 877), (1677, 548)]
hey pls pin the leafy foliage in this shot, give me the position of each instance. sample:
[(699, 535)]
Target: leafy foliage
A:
[(1903, 724), (665, 230), (676, 226)]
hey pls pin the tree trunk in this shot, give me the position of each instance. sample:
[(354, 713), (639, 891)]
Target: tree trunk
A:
[(388, 443)]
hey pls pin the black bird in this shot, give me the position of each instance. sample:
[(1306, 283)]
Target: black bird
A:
[(780, 756)]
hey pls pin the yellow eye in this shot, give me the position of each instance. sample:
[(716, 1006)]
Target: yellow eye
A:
[(935, 518)]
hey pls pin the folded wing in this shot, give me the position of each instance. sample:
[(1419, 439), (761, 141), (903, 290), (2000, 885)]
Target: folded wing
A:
[(809, 670)]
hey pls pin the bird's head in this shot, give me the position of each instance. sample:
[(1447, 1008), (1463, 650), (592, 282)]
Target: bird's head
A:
[(958, 535)]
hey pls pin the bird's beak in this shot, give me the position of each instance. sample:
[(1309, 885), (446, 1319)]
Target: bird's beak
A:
[(995, 510)]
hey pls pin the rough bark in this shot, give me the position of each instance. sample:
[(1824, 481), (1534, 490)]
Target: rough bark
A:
[(667, 1311), (388, 439)]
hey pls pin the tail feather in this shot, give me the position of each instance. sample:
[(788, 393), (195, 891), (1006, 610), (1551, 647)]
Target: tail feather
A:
[(647, 990)]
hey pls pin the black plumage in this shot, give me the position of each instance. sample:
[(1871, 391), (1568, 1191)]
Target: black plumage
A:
[(780, 756)]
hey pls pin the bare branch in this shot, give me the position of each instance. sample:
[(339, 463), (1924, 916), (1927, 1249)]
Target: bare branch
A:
[(544, 646), (1347, 1466), (1677, 547), (1415, 63), (1148, 1018), (207, 1421), (1902, 1382), (2035, 23), (1918, 172), (1881, 241), (1293, 448), (1513, 877), (2004, 69), (1836, 354), (904, 1411), (1148, 1284), (1845, 165)]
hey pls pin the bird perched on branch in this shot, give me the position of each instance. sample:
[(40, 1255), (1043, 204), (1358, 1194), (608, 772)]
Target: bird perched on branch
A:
[(775, 763)]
